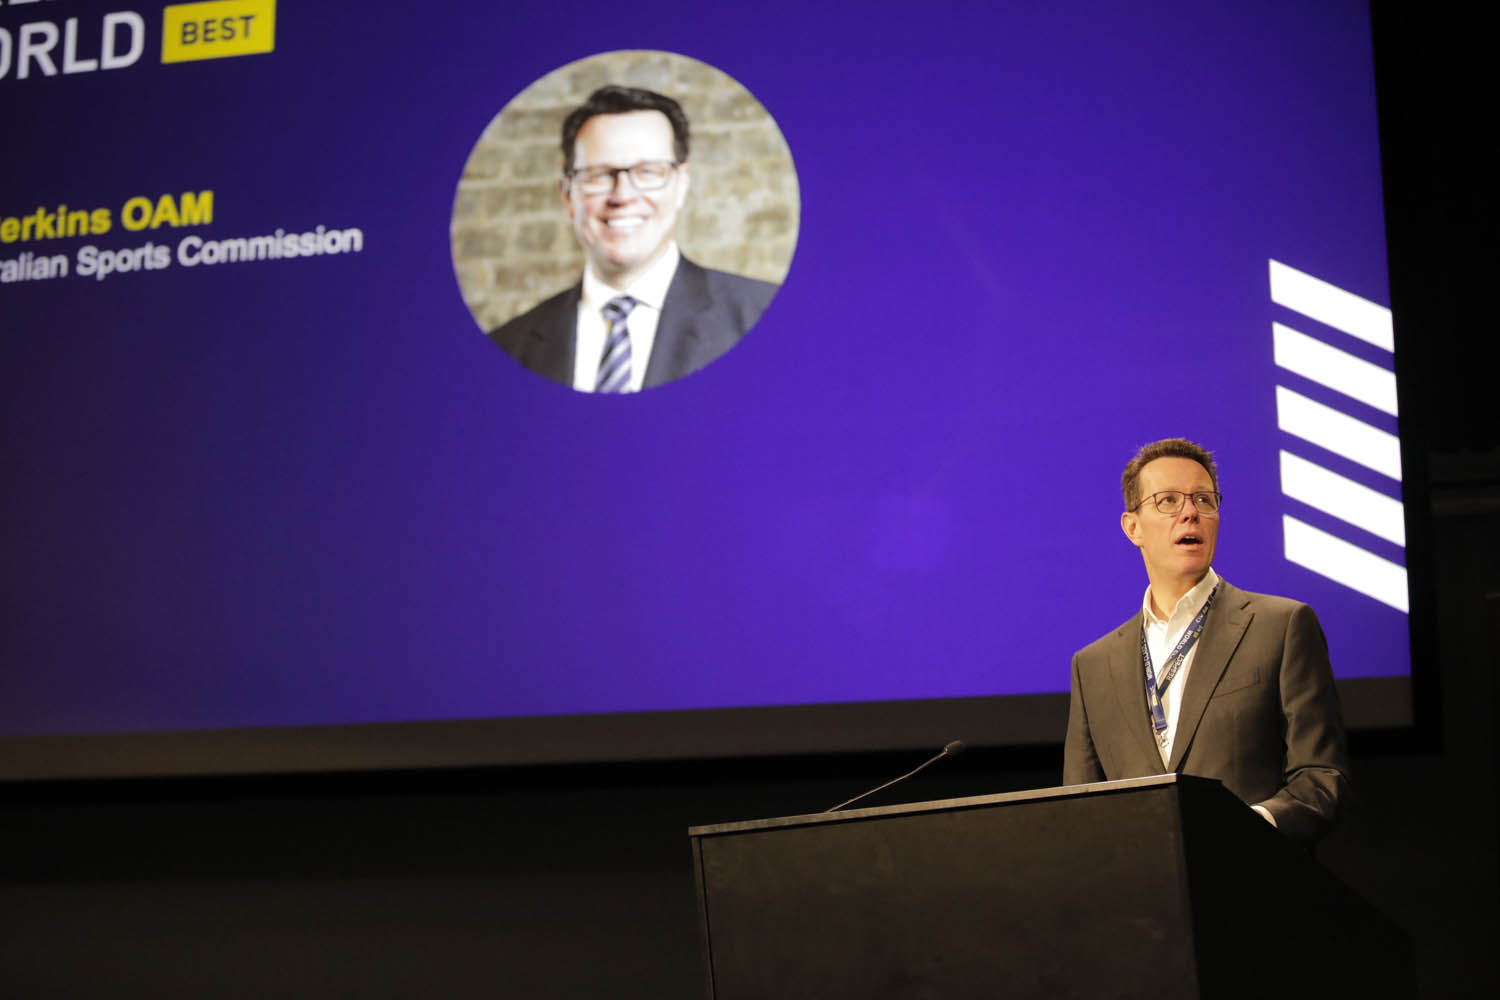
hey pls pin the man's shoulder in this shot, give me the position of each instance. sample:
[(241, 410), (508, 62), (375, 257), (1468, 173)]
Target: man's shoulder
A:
[(1125, 632), (728, 287), (1261, 604), (538, 319), (739, 284)]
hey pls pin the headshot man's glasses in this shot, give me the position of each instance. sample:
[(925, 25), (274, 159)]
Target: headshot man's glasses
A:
[(649, 175), (1171, 501)]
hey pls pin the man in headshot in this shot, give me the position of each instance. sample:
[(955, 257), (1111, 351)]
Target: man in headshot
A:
[(1207, 679), (643, 314)]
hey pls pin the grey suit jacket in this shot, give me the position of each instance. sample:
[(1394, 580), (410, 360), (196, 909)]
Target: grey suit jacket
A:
[(705, 313), (1259, 712)]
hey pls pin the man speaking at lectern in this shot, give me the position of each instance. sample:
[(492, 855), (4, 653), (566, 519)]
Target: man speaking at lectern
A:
[(1207, 679)]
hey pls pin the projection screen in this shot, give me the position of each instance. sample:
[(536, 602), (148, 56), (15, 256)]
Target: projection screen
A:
[(276, 501)]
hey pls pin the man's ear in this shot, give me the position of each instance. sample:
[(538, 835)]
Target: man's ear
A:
[(1131, 525), (687, 179), (562, 193)]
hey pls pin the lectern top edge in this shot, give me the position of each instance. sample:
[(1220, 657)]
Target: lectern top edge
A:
[(970, 802)]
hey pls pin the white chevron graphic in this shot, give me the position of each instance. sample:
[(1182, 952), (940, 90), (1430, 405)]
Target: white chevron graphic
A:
[(1343, 498), (1338, 432), (1346, 563), (1338, 370), (1341, 433), (1332, 305)]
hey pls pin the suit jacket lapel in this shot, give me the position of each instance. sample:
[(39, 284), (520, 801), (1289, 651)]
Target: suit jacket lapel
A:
[(676, 331), (1222, 632), (1127, 676)]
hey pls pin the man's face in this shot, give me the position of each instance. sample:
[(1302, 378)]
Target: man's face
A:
[(1178, 548), (625, 230)]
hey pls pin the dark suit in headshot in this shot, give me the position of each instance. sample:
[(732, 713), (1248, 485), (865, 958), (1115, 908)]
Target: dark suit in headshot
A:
[(705, 314), (642, 315), (1252, 702)]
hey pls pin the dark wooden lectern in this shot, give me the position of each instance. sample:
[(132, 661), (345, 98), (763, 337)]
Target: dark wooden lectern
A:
[(1158, 888)]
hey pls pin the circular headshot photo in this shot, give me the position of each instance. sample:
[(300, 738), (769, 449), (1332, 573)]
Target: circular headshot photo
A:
[(625, 221)]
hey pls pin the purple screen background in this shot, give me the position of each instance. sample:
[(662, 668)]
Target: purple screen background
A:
[(302, 492)]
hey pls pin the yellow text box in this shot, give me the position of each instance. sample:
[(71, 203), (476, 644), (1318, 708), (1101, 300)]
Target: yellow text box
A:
[(217, 29)]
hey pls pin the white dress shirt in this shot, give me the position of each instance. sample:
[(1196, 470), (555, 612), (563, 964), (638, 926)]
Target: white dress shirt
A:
[(650, 291), (1162, 636)]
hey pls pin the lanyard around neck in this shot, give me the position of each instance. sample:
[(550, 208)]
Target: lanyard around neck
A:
[(1155, 686)]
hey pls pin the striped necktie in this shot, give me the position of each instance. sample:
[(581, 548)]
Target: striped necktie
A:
[(614, 366)]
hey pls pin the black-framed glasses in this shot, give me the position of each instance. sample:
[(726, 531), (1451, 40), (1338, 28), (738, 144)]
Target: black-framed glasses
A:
[(1171, 501), (648, 175)]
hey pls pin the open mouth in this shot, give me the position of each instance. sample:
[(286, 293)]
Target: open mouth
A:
[(1189, 540), (625, 222)]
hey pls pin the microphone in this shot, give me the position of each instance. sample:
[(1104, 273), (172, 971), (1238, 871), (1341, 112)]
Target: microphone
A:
[(951, 750)]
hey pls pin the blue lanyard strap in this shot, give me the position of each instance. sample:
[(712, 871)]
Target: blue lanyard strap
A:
[(1155, 687)]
